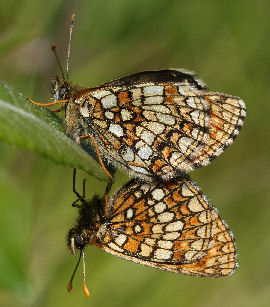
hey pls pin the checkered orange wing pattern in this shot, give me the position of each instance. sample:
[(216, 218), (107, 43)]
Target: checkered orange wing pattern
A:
[(170, 226), (160, 123)]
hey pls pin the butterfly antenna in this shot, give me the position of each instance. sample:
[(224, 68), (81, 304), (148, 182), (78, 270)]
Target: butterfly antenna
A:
[(85, 290), (71, 279), (58, 62), (69, 42), (47, 104)]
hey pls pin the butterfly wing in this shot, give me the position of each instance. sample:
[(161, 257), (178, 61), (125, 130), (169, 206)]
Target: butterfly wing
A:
[(161, 123), (167, 225), (220, 259)]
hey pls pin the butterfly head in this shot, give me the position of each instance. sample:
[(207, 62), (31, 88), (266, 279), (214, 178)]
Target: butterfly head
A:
[(75, 241), (61, 89)]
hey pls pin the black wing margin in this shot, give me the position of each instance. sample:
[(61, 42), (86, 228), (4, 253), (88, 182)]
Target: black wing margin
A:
[(158, 76)]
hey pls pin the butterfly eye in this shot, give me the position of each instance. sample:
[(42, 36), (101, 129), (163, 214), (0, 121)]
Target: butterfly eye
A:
[(62, 91), (79, 242)]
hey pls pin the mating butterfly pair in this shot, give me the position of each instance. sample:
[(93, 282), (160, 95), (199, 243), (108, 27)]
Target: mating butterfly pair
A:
[(158, 125)]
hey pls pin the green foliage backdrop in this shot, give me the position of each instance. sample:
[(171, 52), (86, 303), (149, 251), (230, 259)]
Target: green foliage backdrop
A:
[(227, 44)]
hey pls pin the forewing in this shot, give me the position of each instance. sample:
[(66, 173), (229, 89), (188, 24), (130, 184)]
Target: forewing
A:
[(159, 222), (162, 123), (170, 226)]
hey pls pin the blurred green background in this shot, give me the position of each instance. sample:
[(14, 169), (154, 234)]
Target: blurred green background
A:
[(227, 43)]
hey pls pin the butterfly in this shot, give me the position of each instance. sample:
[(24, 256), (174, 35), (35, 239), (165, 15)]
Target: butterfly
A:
[(153, 123), (168, 225)]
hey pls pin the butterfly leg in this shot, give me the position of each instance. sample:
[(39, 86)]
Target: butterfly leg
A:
[(99, 156), (107, 190), (80, 197), (110, 183)]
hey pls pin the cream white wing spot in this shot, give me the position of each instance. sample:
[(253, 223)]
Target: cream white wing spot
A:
[(137, 103), (109, 115), (150, 116), (166, 119), (160, 109), (184, 143), (195, 115), (128, 154), (116, 130), (138, 228), (158, 228), (194, 205), (136, 93), (205, 162), (205, 103), (84, 110), (160, 207), (138, 194), (126, 114), (172, 236), (145, 188), (100, 94), (221, 237), (153, 90), (165, 217), (109, 101), (157, 128), (121, 239), (130, 213), (190, 255), (145, 152), (165, 244), (229, 142), (154, 100), (201, 232), (138, 169), (158, 194), (148, 137), (150, 242), (203, 217), (195, 132), (197, 245), (191, 102), (175, 226), (181, 90), (186, 192), (163, 254), (240, 122), (146, 250)]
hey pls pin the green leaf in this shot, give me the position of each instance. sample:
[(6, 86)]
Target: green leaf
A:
[(39, 130)]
